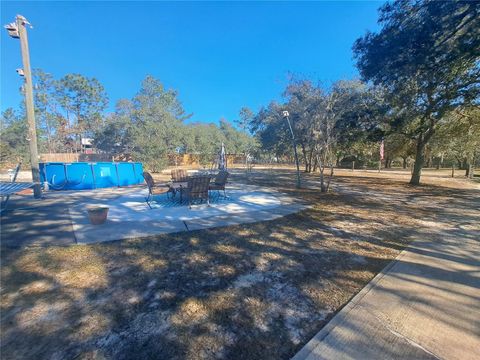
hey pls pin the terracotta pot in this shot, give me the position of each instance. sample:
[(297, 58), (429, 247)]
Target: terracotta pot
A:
[(98, 214)]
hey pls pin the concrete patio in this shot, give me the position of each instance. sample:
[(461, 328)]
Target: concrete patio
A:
[(61, 217)]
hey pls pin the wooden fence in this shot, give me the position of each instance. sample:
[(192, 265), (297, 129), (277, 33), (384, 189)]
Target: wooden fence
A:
[(194, 159), (173, 160), (72, 157)]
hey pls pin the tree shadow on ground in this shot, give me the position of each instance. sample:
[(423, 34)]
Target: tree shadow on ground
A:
[(257, 291)]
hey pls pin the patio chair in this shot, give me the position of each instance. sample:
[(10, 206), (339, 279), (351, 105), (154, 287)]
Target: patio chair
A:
[(197, 189), (219, 183), (154, 189), (179, 175)]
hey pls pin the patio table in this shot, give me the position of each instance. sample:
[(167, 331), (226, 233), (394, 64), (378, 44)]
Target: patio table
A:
[(178, 186)]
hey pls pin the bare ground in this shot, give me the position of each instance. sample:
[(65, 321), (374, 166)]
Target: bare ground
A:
[(256, 291)]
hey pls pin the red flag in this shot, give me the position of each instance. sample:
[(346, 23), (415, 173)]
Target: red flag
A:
[(382, 150)]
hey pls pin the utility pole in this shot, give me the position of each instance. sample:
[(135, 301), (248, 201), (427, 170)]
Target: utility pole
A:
[(19, 30), (286, 116)]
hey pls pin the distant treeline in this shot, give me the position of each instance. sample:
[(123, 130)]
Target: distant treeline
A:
[(148, 127), (419, 93)]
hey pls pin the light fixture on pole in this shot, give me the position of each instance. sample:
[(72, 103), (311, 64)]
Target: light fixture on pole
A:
[(18, 30), (12, 30), (286, 115)]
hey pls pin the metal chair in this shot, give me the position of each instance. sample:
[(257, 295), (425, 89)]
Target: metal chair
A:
[(179, 175), (197, 188), (219, 183), (154, 189)]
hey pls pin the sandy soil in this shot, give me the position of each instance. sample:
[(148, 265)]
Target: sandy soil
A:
[(256, 291)]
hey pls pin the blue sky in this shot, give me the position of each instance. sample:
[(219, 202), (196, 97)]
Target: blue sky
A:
[(219, 56)]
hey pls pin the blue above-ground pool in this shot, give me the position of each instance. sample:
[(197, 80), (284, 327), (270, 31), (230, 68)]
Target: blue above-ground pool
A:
[(105, 174), (126, 174), (90, 175)]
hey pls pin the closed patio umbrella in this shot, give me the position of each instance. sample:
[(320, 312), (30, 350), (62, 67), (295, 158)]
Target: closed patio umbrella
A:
[(222, 159)]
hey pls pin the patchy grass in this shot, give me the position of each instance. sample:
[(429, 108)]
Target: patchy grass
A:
[(256, 291)]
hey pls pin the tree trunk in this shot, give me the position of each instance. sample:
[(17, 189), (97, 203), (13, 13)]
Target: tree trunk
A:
[(304, 153), (459, 163), (404, 162), (469, 164), (322, 182), (329, 178), (472, 163), (310, 160), (419, 160), (429, 162), (315, 165), (321, 167)]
